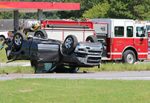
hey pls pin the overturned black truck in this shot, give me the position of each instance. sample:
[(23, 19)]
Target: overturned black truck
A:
[(48, 55)]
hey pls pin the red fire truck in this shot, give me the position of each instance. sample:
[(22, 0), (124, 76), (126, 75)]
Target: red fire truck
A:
[(123, 39)]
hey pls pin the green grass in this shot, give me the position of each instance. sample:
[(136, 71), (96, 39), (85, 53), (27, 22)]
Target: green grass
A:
[(18, 69), (119, 67), (3, 57), (74, 91)]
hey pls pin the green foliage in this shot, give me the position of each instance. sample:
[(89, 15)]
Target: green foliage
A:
[(119, 9), (132, 9), (6, 15), (46, 0), (142, 11), (98, 11), (85, 5)]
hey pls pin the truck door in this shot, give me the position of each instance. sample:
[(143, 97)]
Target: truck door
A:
[(118, 40), (141, 41), (129, 40)]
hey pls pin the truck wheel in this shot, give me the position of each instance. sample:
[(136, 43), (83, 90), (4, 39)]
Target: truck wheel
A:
[(17, 40), (129, 57), (40, 34), (69, 44), (2, 41), (91, 38), (2, 38)]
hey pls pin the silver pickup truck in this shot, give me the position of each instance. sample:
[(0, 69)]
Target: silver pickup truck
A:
[(48, 55)]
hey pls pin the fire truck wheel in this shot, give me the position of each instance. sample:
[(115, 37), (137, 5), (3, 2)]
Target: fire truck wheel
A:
[(17, 40), (69, 44), (40, 34), (129, 57), (91, 38)]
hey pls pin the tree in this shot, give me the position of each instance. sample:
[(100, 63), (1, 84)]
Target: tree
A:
[(134, 9), (98, 11), (119, 9), (85, 5), (6, 15), (128, 9), (140, 9)]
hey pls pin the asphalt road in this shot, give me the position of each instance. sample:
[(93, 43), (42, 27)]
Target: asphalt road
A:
[(128, 75)]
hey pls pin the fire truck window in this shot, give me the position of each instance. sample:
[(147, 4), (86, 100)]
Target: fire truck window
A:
[(130, 31), (101, 28), (148, 27), (140, 32), (119, 31)]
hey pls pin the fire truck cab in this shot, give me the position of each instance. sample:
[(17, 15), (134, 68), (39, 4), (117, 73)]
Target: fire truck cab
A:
[(123, 39)]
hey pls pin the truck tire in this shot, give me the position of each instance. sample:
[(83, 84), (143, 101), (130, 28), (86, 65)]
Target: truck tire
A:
[(69, 44), (17, 40), (2, 41), (129, 57), (91, 38), (40, 34), (2, 38)]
